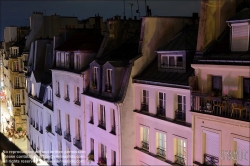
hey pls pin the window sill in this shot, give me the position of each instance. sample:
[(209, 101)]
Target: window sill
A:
[(91, 122), (112, 132)]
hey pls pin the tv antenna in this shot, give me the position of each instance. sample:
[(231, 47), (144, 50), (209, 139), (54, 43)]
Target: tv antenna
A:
[(131, 9), (138, 10)]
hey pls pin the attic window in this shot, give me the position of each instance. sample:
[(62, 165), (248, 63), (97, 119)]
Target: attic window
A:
[(240, 37), (108, 80), (171, 61)]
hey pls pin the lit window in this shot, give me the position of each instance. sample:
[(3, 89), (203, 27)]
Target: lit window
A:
[(240, 37), (144, 131), (161, 144)]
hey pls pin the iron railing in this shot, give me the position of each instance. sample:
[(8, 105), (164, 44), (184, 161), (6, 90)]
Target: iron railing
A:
[(144, 107), (211, 160), (67, 135), (58, 129), (102, 123), (113, 129), (91, 120), (145, 145), (160, 151), (179, 159), (180, 115), (161, 111), (77, 142)]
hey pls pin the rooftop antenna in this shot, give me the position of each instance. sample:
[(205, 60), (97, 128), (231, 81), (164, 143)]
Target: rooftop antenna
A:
[(138, 10), (124, 8), (131, 10)]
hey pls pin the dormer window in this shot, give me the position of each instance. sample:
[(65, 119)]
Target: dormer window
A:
[(16, 68), (77, 63), (171, 61), (50, 97), (108, 80), (67, 60), (58, 58), (94, 81), (240, 37)]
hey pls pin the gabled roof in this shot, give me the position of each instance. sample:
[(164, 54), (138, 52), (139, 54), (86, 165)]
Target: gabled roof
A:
[(243, 15), (151, 75), (83, 42), (185, 40)]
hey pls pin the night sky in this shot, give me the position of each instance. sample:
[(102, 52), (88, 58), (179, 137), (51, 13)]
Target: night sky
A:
[(17, 13)]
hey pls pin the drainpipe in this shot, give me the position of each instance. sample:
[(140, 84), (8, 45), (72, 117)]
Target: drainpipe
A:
[(118, 106)]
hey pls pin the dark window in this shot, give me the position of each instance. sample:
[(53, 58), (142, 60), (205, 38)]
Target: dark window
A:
[(171, 61), (179, 61), (246, 88), (217, 84)]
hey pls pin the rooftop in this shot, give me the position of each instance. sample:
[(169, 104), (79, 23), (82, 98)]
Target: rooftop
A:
[(185, 40), (243, 15)]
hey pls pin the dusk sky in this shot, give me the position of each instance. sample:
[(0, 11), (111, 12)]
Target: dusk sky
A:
[(17, 13)]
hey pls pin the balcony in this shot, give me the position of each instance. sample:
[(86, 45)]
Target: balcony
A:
[(66, 98), (161, 111), (48, 128), (102, 124), (41, 129), (67, 135), (91, 120), (144, 107), (160, 151), (37, 126), (179, 159), (222, 106), (113, 130), (77, 102), (77, 142), (58, 129), (102, 161), (108, 88), (145, 145), (211, 160), (180, 115)]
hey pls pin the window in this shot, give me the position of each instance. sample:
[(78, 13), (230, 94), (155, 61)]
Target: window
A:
[(77, 61), (59, 118), (91, 112), (212, 148), (162, 99), (181, 111), (77, 100), (16, 68), (94, 81), (161, 144), (103, 151), (50, 97), (102, 121), (62, 60), (145, 96), (23, 94), (217, 85), (171, 61), (240, 37), (92, 144), (17, 83), (58, 89), (108, 80), (113, 158), (67, 93), (246, 88), (67, 60), (68, 155), (58, 59), (113, 127), (144, 131), (67, 123), (242, 152), (181, 152), (17, 99), (78, 129)]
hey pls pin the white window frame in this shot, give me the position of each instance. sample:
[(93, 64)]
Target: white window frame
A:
[(144, 135), (168, 58), (18, 99), (145, 96), (163, 100)]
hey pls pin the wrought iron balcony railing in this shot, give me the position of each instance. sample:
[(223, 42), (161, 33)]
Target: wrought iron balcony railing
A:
[(67, 135), (113, 129), (145, 145), (37, 126), (161, 152), (58, 129), (144, 107), (102, 124), (161, 111), (179, 159), (180, 115), (211, 160), (41, 129), (232, 108), (77, 142), (91, 120)]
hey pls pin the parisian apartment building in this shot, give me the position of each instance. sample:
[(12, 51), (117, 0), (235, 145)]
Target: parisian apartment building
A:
[(154, 90)]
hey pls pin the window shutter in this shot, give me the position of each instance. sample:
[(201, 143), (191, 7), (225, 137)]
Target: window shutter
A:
[(242, 152), (240, 38), (212, 144)]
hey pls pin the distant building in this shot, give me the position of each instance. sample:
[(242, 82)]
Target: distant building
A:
[(220, 96)]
